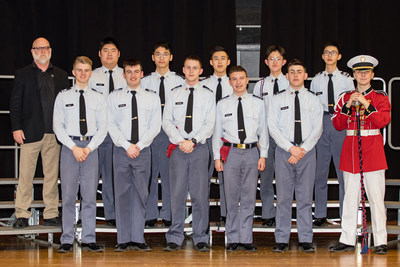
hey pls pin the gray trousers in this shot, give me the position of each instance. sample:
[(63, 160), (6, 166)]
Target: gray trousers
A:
[(266, 184), (222, 200), (106, 172), (328, 146), (240, 173), (189, 172), (298, 178), (159, 166), (131, 190), (75, 175)]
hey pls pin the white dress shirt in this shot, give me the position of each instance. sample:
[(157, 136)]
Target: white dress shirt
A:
[(226, 123), (119, 116), (203, 116), (66, 116), (281, 118)]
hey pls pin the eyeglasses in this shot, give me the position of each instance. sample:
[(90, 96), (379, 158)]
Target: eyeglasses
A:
[(39, 48), (277, 59), (162, 55), (332, 53)]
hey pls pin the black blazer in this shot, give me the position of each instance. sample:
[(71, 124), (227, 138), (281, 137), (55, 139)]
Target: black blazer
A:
[(25, 105)]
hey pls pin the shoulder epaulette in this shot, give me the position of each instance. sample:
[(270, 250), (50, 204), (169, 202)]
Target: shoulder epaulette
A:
[(381, 92), (176, 87), (308, 90), (319, 73), (96, 91), (205, 87), (345, 74), (258, 97), (147, 75), (116, 90), (224, 97), (66, 89), (151, 91), (284, 90), (205, 78), (180, 75), (347, 92), (262, 78)]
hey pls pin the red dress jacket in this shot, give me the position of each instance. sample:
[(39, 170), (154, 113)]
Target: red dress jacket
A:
[(376, 116)]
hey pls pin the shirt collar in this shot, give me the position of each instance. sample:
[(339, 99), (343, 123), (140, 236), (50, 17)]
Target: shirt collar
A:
[(76, 89), (166, 75), (34, 65), (369, 90), (280, 76), (105, 70), (335, 73), (244, 96), (138, 90)]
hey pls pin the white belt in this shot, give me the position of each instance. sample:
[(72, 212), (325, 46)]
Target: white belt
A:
[(363, 132)]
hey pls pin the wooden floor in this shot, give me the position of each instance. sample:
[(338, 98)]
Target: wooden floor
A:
[(16, 251)]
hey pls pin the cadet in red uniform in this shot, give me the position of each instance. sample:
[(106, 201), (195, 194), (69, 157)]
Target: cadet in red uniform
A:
[(374, 114)]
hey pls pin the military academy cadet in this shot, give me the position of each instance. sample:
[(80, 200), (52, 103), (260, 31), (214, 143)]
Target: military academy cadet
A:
[(188, 120), (239, 127), (161, 81), (134, 120), (106, 79), (328, 85), (266, 88), (295, 123), (363, 112), (79, 122), (219, 84)]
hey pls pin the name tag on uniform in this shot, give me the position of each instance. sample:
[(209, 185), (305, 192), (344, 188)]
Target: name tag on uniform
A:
[(263, 94), (318, 93), (100, 84), (69, 105), (121, 105), (228, 115), (283, 108), (178, 103)]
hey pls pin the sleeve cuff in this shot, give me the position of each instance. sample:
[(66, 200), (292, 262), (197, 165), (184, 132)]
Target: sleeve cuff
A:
[(371, 109), (346, 111)]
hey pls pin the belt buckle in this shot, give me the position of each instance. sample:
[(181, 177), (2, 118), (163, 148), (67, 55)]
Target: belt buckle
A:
[(241, 146), (356, 132), (83, 138)]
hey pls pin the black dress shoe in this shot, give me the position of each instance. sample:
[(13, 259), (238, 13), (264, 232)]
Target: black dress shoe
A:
[(231, 247), (248, 247), (320, 222), (223, 219), (166, 223), (269, 222), (172, 247), (111, 223), (281, 247), (64, 248), (92, 247), (56, 221), (79, 223), (341, 248), (202, 247), (150, 223), (381, 250), (122, 247), (307, 247), (21, 223), (139, 246)]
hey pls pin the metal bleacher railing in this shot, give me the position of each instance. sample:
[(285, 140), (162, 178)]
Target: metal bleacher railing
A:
[(36, 229)]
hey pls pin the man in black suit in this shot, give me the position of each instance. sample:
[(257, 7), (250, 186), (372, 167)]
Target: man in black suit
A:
[(31, 112)]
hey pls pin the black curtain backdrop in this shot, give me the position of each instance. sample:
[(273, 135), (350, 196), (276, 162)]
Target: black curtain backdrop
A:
[(75, 27), (360, 26)]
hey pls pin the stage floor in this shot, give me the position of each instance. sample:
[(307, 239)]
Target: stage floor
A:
[(17, 251)]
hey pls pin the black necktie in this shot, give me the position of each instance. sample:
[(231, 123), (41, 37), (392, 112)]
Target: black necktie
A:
[(276, 87), (189, 112), (218, 95), (82, 114), (331, 100), (162, 93), (297, 120), (135, 120), (241, 129), (110, 82)]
